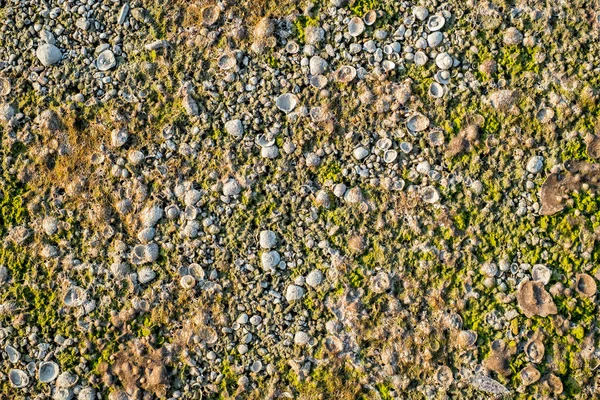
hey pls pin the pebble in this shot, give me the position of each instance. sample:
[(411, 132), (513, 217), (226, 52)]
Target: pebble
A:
[(48, 54)]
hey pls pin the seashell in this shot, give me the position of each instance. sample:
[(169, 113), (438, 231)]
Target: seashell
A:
[(318, 114), (18, 378), (226, 61), (210, 15), (554, 383), (390, 156), (87, 393), (534, 350), (436, 22), (529, 375), (585, 285), (270, 259), (356, 27), (13, 354), (488, 385), (318, 81), (388, 65), (442, 77), (399, 184), (380, 282), (420, 13), (420, 58), (5, 86), (151, 215), (430, 195), (444, 61), (383, 144), (417, 123), (286, 102), (354, 195), (196, 271), (269, 152), (466, 339), (301, 338), (444, 376), (75, 296), (388, 49), (545, 115), (334, 344), (187, 281), (106, 60), (140, 304), (207, 335), (66, 380), (151, 252), (346, 74), (146, 275), (48, 371), (264, 141), (146, 235), (436, 138), (406, 147), (370, 17), (436, 90), (292, 47), (172, 211), (231, 188)]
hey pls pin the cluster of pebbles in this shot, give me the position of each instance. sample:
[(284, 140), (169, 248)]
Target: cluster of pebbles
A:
[(395, 198)]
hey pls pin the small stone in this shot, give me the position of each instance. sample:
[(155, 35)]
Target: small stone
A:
[(512, 36), (48, 54), (106, 60), (314, 278), (535, 164), (317, 65), (235, 128)]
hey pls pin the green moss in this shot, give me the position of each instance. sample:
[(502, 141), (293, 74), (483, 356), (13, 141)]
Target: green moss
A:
[(361, 7), (299, 27), (330, 170)]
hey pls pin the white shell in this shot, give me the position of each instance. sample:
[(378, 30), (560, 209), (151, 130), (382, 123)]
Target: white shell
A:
[(210, 15), (420, 58), (13, 354), (318, 81), (346, 74), (106, 60), (74, 297), (388, 65), (187, 281), (292, 47), (417, 123), (360, 153), (47, 371), (356, 27), (430, 195), (406, 147), (384, 144), (231, 188), (286, 102), (317, 114), (442, 77), (18, 378), (226, 61), (436, 90), (146, 275), (436, 22), (269, 152), (264, 141), (370, 17), (5, 86), (390, 156)]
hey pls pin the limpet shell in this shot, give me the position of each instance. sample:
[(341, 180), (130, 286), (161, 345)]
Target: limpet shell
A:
[(18, 378), (436, 90), (48, 371), (406, 147), (13, 354), (390, 156), (292, 47), (436, 22), (370, 17), (417, 123), (264, 141), (444, 61), (187, 281), (534, 350), (466, 338), (346, 74), (585, 285), (430, 195), (286, 102), (318, 81), (384, 144), (74, 297), (444, 376), (529, 375), (388, 65), (356, 27), (545, 115), (318, 114), (226, 61), (436, 138), (5, 86)]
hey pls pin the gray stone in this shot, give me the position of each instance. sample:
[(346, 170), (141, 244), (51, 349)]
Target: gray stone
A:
[(48, 54)]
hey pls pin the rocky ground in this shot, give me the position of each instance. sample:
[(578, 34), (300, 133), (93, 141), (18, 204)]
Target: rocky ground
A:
[(364, 199)]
